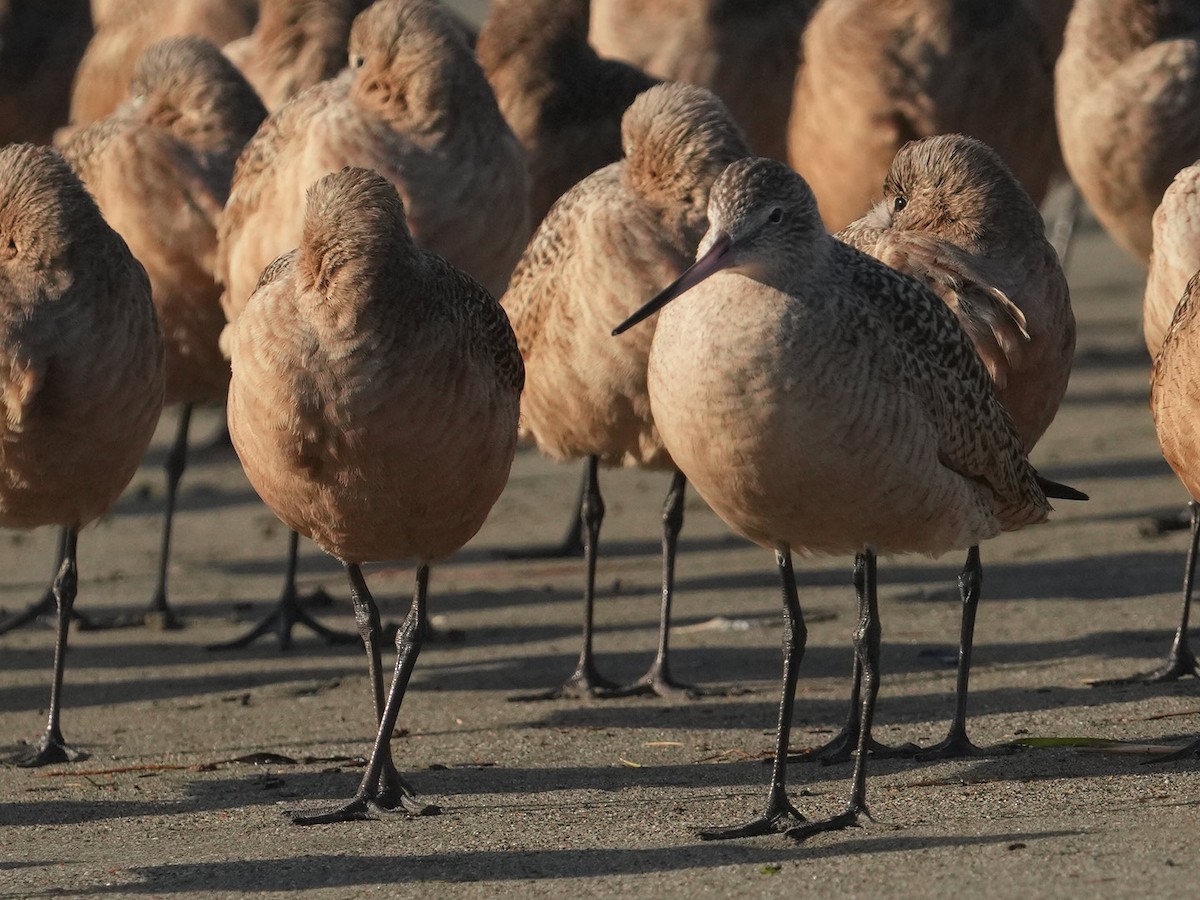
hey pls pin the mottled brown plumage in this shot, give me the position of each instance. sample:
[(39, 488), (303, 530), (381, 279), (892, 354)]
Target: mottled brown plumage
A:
[(1128, 100), (563, 102), (955, 217), (296, 44), (81, 367), (160, 167), (876, 75), (125, 31), (820, 401), (415, 106), (374, 398), (41, 43), (745, 51), (1175, 255), (611, 239), (614, 237)]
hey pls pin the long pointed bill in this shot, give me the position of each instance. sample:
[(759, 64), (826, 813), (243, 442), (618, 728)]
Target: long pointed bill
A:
[(719, 256)]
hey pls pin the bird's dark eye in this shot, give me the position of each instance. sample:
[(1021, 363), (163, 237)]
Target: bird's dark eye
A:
[(899, 204), (776, 216), (356, 62)]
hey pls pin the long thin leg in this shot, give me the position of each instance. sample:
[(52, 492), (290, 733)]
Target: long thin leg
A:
[(47, 604), (572, 543), (956, 742), (866, 645), (841, 748), (1062, 228), (1181, 660), (52, 748), (159, 614), (287, 613), (778, 810), (585, 681), (366, 801), (658, 679)]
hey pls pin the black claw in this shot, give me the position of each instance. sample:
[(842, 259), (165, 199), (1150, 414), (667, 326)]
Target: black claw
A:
[(957, 745), (585, 683), (48, 751)]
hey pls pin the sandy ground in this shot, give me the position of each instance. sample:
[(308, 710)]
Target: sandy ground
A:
[(604, 797)]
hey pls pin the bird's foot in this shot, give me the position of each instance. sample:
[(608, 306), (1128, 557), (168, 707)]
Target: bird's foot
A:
[(1179, 664), (283, 618), (844, 746), (776, 819), (657, 683), (584, 683), (387, 803), (956, 745), (848, 818), (49, 750)]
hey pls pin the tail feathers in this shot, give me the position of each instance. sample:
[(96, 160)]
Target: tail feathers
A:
[(1055, 491)]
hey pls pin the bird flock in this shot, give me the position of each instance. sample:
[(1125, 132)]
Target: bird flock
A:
[(786, 252)]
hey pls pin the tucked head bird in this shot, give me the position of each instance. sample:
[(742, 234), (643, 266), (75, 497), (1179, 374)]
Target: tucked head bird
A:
[(414, 105), (875, 76), (954, 217), (1128, 102), (126, 29), (296, 44), (616, 235), (81, 372), (374, 405), (563, 102), (744, 51), (160, 167), (820, 401)]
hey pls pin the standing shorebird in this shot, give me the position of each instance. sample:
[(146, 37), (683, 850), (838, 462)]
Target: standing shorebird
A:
[(1174, 259), (125, 30), (744, 51), (294, 46), (81, 372), (374, 405), (615, 236), (955, 217), (160, 168), (415, 106), (1173, 401), (875, 76), (823, 402), (1128, 101), (563, 102)]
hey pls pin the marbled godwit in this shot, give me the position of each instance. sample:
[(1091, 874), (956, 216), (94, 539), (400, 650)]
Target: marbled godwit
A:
[(40, 46), (745, 51), (374, 405), (955, 217), (125, 30), (415, 106), (81, 386), (160, 168), (1128, 92), (563, 102), (294, 46), (1173, 400), (872, 424), (614, 236), (875, 76), (1174, 260)]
